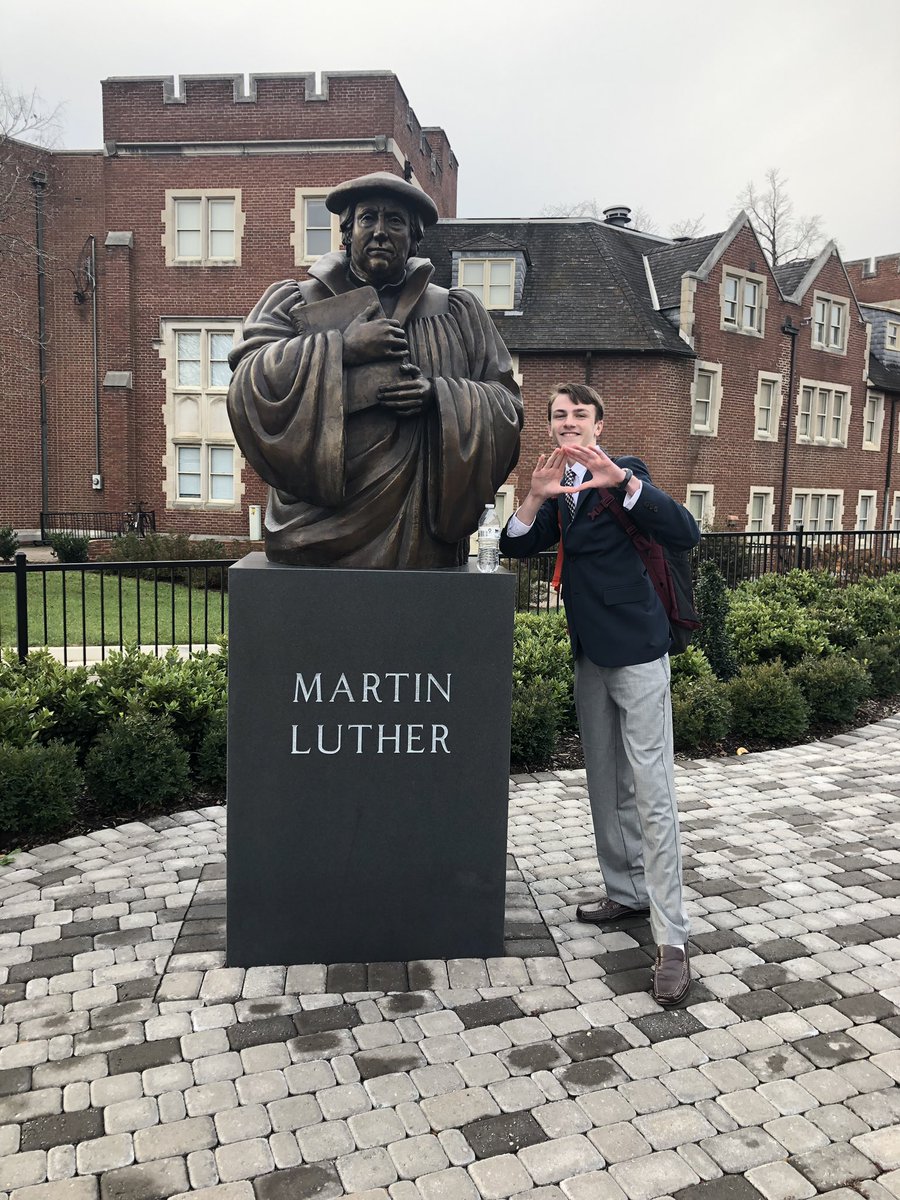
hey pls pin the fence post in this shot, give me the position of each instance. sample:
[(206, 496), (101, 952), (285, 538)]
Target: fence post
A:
[(800, 547), (22, 605)]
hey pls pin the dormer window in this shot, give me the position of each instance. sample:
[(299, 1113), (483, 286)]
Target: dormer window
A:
[(743, 301), (892, 335), (492, 280), (829, 323)]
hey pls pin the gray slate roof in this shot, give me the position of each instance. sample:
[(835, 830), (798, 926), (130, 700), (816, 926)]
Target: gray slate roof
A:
[(790, 275), (669, 263), (585, 286), (883, 376)]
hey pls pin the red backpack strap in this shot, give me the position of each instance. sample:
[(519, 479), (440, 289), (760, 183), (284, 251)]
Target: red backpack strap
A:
[(556, 581), (650, 551)]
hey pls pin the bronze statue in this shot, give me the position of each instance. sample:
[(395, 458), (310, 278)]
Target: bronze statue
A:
[(381, 409)]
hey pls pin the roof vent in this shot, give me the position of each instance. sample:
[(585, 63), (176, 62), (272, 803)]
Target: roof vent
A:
[(619, 214)]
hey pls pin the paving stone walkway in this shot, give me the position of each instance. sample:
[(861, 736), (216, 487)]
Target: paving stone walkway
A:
[(134, 1065)]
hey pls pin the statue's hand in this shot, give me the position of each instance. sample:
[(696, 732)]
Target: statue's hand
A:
[(369, 338), (409, 398)]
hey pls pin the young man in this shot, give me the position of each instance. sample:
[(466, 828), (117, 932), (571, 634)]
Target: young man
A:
[(620, 640)]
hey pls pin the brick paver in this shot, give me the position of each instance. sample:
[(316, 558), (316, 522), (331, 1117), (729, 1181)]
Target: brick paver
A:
[(134, 1063)]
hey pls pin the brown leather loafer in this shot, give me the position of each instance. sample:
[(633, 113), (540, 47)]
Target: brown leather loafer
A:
[(671, 975), (601, 911)]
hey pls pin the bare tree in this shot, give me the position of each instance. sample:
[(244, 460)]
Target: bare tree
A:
[(784, 235), (687, 227), (27, 130), (641, 220)]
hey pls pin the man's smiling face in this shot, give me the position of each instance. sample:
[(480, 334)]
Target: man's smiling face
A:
[(381, 240), (574, 424)]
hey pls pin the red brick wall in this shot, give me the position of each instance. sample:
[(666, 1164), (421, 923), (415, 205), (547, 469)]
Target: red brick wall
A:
[(882, 287)]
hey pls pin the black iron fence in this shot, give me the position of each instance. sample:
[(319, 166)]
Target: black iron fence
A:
[(85, 610), (98, 524)]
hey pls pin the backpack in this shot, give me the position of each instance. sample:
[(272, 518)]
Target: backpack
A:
[(669, 571)]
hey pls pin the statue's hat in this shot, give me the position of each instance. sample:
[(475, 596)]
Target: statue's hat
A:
[(352, 190)]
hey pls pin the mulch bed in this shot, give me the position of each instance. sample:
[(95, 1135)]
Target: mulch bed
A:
[(568, 755)]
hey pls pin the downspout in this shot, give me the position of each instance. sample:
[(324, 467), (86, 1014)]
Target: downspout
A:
[(791, 330), (96, 356), (887, 470), (39, 183)]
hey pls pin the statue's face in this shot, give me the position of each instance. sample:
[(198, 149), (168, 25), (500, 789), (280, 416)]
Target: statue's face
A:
[(381, 239)]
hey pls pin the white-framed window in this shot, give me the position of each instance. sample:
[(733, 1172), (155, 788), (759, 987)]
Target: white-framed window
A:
[(203, 228), (706, 399), (873, 420), (823, 413), (760, 509), (829, 323), (699, 503), (867, 510), (492, 280), (817, 511), (895, 513), (203, 464), (768, 407), (316, 230), (892, 335), (743, 301)]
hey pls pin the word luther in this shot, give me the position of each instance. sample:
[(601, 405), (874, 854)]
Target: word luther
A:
[(413, 687), (377, 739)]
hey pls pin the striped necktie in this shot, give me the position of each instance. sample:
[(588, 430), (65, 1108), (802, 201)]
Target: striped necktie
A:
[(570, 497)]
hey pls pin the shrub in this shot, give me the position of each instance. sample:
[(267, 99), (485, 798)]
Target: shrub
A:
[(691, 664), (176, 547), (834, 687), (713, 637), (767, 703), (541, 651), (39, 790), (533, 733), (880, 655), (138, 763), (69, 547), (211, 756), (701, 712), (763, 629), (9, 543)]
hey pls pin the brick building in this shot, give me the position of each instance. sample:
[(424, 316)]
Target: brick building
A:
[(199, 200), (752, 393)]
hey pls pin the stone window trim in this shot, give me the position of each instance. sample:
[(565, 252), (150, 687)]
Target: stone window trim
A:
[(873, 421), (170, 231), (821, 505), (706, 374), (825, 309), (298, 239), (205, 438), (763, 392), (895, 514), (871, 521), (704, 493), (766, 510), (823, 413), (735, 315)]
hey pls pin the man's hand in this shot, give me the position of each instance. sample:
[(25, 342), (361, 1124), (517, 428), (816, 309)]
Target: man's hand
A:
[(369, 338), (411, 396), (604, 472), (545, 478)]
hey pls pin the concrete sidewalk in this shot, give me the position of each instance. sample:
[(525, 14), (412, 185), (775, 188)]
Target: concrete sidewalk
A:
[(135, 1066)]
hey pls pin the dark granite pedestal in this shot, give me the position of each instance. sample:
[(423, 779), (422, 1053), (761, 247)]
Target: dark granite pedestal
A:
[(368, 763)]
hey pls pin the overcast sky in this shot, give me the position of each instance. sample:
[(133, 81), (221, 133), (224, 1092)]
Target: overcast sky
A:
[(668, 107)]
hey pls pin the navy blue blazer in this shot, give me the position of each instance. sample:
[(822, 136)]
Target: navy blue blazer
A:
[(614, 614)]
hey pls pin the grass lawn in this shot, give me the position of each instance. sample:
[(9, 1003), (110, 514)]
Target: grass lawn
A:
[(74, 608)]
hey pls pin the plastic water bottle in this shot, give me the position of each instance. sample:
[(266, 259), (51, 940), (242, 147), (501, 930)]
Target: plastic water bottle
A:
[(488, 540)]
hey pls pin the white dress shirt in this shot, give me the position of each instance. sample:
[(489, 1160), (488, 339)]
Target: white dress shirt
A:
[(516, 528)]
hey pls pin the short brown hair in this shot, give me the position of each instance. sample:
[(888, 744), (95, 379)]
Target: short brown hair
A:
[(578, 393)]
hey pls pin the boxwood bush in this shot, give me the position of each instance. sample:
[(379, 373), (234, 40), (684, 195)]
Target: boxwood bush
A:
[(767, 703), (40, 787), (834, 687), (137, 762)]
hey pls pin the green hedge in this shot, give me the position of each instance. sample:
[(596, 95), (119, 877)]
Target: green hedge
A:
[(142, 730)]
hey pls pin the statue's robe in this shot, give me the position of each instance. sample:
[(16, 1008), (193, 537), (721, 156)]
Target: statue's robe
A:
[(370, 488)]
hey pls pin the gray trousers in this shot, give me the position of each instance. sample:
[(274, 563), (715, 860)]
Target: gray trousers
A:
[(625, 718)]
